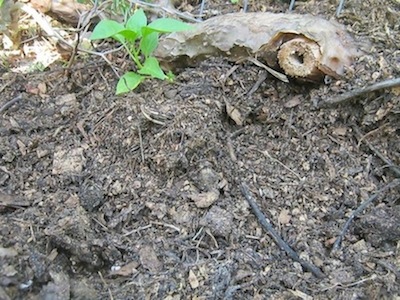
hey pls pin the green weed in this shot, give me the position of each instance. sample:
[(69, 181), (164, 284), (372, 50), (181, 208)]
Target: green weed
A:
[(140, 40)]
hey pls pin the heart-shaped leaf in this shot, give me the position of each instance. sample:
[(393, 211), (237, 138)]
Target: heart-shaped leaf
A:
[(151, 67), (149, 43), (128, 82), (137, 21), (105, 29)]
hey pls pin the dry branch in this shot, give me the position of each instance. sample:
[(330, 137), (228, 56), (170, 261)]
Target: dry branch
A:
[(390, 83), (395, 169), (10, 103), (266, 224), (363, 205)]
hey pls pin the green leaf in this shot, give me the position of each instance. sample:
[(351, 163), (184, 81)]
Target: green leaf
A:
[(119, 38), (151, 67), (127, 34), (128, 82), (149, 43), (137, 21), (105, 29), (168, 25)]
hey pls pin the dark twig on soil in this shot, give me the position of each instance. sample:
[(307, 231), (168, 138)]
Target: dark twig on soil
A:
[(387, 161), (10, 103), (363, 205), (356, 93), (266, 224), (141, 144), (260, 80)]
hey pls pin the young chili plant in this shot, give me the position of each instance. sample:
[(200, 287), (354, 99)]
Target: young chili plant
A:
[(139, 39)]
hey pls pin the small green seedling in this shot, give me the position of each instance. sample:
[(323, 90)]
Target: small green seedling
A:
[(140, 40)]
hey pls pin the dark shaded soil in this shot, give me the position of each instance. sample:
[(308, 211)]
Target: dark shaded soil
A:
[(137, 197)]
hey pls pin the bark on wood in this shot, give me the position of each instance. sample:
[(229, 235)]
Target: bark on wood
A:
[(303, 46)]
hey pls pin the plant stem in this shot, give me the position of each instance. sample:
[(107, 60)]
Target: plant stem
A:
[(137, 58), (134, 54)]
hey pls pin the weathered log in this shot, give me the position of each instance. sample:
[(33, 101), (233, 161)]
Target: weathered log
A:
[(66, 11), (303, 46)]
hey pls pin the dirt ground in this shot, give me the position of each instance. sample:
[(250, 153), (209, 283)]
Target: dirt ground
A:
[(138, 196)]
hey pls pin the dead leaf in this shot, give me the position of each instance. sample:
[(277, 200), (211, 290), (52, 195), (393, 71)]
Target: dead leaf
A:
[(12, 200), (126, 270), (204, 200), (382, 112), (21, 147), (301, 295), (329, 242), (340, 131), (193, 281), (284, 217), (8, 252), (396, 90), (234, 114), (42, 88), (296, 100)]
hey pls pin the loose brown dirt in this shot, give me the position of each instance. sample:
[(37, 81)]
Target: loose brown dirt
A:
[(138, 197)]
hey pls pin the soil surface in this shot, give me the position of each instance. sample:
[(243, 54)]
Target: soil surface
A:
[(139, 196)]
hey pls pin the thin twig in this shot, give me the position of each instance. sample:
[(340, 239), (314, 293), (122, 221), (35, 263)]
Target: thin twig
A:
[(106, 285), (82, 27), (167, 10), (167, 225), (339, 8), (372, 132), (137, 230), (8, 83), (266, 224), (56, 37), (291, 5), (141, 144), (358, 92), (363, 205), (387, 161), (229, 73), (266, 153), (202, 5), (10, 103), (389, 267), (260, 80), (274, 73), (351, 284)]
